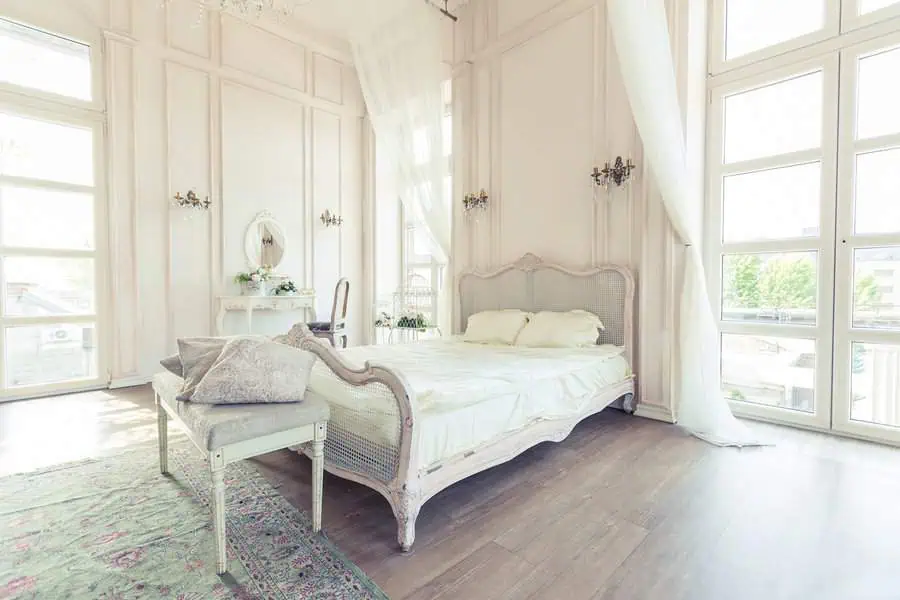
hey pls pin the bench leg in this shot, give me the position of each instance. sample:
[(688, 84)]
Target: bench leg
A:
[(162, 426), (318, 467), (218, 512)]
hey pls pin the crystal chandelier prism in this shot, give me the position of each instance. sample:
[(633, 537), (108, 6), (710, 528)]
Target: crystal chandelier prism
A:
[(261, 7)]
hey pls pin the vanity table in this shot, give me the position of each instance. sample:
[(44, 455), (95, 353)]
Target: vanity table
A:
[(303, 302), (265, 245)]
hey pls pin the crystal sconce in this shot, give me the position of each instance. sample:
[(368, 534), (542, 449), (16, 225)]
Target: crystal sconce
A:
[(619, 174), (475, 202), (191, 200), (329, 219)]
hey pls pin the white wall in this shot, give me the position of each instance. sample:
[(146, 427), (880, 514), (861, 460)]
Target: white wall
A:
[(256, 117), (538, 102)]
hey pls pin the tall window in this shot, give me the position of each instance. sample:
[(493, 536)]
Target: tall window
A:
[(409, 272), (804, 227), (49, 252)]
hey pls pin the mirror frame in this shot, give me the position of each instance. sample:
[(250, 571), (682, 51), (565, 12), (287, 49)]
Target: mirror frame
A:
[(250, 237)]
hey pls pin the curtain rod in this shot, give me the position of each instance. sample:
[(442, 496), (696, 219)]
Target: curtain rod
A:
[(443, 10)]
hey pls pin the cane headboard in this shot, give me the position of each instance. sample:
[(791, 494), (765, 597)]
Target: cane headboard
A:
[(532, 285)]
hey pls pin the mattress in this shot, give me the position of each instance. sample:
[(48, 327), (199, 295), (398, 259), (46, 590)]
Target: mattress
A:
[(469, 394)]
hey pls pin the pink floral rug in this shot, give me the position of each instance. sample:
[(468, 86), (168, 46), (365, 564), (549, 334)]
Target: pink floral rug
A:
[(115, 528)]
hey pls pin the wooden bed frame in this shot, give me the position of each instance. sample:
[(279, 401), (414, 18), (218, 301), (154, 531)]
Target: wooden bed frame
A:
[(528, 284)]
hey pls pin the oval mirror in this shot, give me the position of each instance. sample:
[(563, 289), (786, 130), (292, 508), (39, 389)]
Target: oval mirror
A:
[(265, 242)]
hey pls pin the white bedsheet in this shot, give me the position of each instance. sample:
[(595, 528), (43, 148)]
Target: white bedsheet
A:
[(468, 394)]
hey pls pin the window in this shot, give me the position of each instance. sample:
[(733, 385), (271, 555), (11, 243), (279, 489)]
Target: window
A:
[(803, 226), (409, 271), (50, 265), (44, 62)]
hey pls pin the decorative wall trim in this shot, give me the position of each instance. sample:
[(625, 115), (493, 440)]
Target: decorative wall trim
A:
[(127, 382), (228, 22), (657, 413), (203, 15), (316, 59)]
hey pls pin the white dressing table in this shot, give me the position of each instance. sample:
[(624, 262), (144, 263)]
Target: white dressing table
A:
[(305, 302), (265, 243)]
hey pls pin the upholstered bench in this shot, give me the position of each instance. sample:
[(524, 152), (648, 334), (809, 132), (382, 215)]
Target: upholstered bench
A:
[(229, 433)]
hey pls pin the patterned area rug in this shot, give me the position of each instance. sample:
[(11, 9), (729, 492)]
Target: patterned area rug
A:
[(115, 528)]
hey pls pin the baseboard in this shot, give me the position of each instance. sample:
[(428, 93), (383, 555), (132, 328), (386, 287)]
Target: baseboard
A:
[(657, 413), (125, 382)]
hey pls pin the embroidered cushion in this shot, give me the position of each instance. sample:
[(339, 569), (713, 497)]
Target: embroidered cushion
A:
[(572, 329), (495, 326), (251, 371)]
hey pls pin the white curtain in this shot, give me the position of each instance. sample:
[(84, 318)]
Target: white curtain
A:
[(641, 39), (397, 53)]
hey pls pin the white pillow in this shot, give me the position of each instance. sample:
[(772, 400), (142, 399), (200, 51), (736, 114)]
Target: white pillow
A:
[(573, 329), (495, 326)]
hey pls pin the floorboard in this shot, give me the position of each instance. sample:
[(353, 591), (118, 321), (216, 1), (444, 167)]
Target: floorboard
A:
[(625, 508)]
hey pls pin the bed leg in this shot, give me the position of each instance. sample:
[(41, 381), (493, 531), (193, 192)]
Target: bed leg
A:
[(407, 511), (628, 403)]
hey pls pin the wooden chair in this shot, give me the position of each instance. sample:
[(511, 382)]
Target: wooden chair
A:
[(336, 328)]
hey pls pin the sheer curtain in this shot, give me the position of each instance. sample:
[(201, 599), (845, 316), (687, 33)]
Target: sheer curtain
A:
[(397, 53), (641, 38)]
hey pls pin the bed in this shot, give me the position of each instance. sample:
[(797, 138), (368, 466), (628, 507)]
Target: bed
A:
[(410, 420)]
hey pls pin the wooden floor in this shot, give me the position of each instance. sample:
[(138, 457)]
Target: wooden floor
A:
[(625, 508)]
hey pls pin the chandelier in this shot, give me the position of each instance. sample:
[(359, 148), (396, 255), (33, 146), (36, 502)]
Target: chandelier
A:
[(256, 8), (260, 7)]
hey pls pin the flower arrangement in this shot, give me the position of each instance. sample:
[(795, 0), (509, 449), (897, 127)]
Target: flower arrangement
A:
[(286, 288), (254, 280), (258, 275)]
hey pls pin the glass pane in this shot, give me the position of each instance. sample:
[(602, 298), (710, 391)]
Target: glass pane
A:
[(43, 354), (772, 204), (44, 62), (751, 25), (867, 6), (776, 119), (773, 371), (879, 95), (42, 286), (877, 182), (874, 393), (770, 287), (447, 134), (44, 150), (33, 218), (876, 287)]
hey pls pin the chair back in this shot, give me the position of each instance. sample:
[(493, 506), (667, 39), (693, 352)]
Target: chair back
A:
[(339, 308)]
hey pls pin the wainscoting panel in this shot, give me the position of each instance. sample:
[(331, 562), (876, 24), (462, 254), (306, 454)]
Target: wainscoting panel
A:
[(190, 242), (289, 66), (326, 195), (187, 27), (328, 78), (262, 169), (546, 144)]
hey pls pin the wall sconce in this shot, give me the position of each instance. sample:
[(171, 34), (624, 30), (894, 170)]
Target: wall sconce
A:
[(191, 200), (267, 240), (619, 173), (472, 202), (329, 219)]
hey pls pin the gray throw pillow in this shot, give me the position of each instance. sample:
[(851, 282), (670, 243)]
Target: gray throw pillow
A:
[(172, 364), (249, 371), (197, 357)]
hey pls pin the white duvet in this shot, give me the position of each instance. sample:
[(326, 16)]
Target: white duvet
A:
[(468, 394)]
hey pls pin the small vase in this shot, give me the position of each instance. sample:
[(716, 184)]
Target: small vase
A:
[(253, 288)]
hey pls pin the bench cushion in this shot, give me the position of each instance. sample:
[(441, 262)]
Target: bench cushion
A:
[(221, 425)]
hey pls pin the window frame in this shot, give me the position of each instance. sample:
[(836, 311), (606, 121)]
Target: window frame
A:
[(716, 248), (40, 105), (717, 34), (28, 96)]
